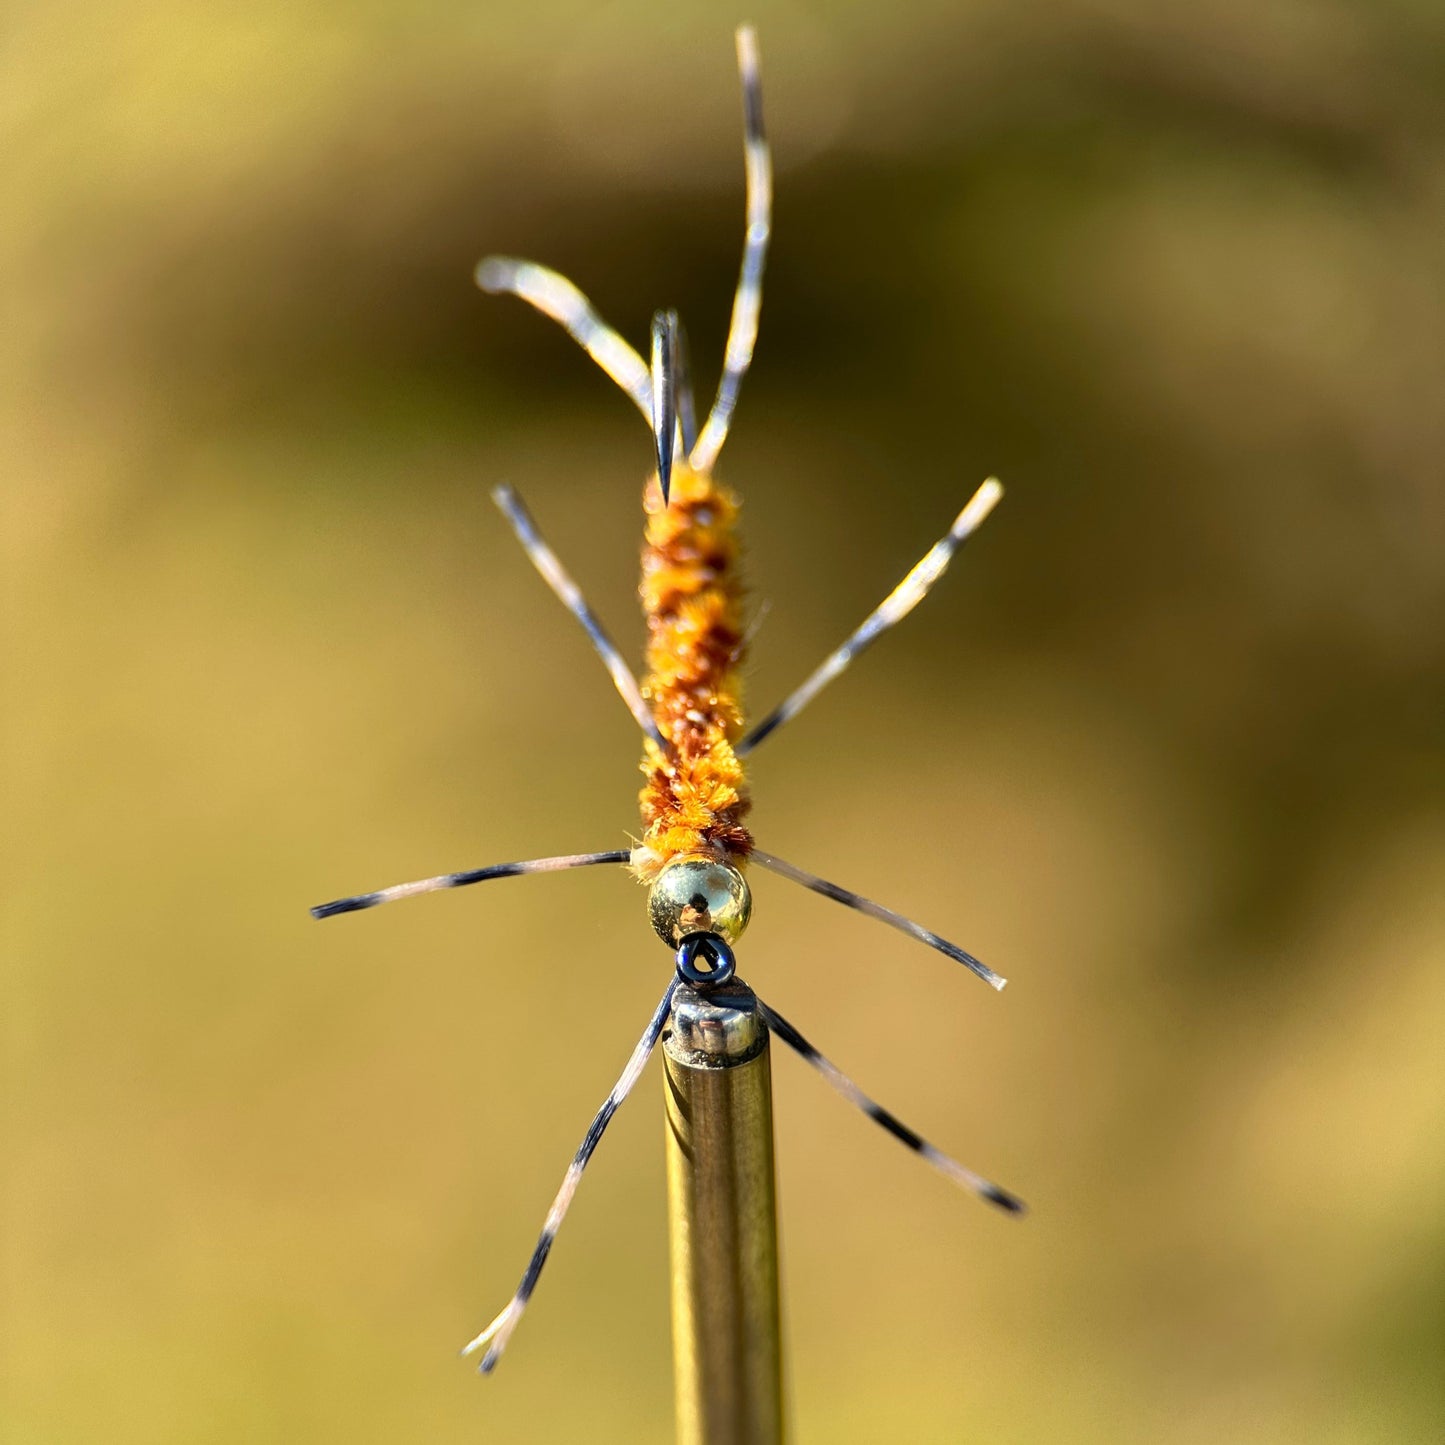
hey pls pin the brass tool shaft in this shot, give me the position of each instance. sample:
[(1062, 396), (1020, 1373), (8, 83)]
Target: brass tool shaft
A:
[(722, 1217)]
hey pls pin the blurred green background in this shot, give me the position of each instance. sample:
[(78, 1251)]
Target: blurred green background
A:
[(1165, 748)]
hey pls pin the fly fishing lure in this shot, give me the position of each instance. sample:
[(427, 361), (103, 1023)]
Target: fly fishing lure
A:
[(695, 845)]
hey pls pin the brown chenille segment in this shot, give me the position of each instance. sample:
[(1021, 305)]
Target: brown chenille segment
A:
[(695, 800)]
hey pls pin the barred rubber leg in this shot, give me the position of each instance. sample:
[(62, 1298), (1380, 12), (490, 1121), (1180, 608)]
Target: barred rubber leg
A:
[(461, 880), (556, 576), (878, 911), (748, 299), (664, 395), (949, 1168), (494, 1338), (555, 296), (892, 610)]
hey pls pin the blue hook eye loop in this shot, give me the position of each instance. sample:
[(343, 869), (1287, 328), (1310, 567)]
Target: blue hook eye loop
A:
[(714, 951)]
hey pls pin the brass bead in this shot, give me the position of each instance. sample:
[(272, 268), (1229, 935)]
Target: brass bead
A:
[(698, 894)]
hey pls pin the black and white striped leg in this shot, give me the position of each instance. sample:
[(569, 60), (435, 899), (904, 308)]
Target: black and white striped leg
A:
[(892, 610), (493, 1339), (748, 299), (554, 295), (461, 880), (878, 911), (949, 1168), (664, 395), (556, 576)]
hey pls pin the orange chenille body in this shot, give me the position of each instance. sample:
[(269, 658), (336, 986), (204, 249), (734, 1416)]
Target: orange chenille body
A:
[(695, 799)]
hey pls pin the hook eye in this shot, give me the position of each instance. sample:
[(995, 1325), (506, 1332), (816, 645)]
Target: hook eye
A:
[(713, 950)]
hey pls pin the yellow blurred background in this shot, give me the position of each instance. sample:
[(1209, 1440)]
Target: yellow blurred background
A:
[(1165, 748)]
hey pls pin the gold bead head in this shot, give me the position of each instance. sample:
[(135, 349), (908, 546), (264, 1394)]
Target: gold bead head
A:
[(697, 894)]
